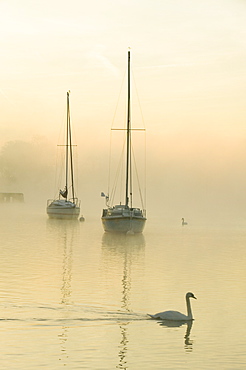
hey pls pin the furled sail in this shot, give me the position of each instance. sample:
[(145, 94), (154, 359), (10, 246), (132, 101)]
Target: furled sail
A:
[(63, 193)]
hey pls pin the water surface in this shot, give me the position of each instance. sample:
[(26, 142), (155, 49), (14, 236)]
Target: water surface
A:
[(74, 296)]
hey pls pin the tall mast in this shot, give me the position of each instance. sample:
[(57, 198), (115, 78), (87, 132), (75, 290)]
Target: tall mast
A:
[(71, 153), (128, 142), (67, 141)]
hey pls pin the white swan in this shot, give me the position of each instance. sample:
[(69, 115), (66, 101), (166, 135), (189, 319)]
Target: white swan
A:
[(183, 222), (175, 315)]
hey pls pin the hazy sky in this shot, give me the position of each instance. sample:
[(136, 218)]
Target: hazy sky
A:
[(189, 63)]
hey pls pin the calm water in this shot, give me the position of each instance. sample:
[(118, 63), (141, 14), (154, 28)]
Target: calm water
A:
[(73, 296)]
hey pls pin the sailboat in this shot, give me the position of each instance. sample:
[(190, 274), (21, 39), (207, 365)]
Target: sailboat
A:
[(124, 218), (67, 206)]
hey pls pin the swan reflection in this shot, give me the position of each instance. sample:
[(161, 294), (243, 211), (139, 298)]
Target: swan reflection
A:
[(188, 343)]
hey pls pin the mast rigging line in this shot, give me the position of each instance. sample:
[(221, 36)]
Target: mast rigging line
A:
[(113, 120), (116, 179), (138, 182), (145, 143)]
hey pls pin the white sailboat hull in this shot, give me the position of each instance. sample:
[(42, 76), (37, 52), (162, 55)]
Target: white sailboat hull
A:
[(123, 225), (62, 209), (124, 221)]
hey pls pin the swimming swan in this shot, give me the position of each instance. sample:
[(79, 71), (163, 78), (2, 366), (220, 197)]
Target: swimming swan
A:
[(183, 222), (175, 315)]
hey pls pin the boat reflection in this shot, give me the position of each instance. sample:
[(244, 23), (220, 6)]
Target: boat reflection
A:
[(188, 343), (118, 241), (59, 225), (128, 251)]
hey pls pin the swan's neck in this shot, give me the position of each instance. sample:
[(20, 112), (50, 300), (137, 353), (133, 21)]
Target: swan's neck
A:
[(189, 312)]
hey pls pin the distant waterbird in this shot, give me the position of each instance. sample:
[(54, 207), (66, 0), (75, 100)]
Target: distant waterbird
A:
[(175, 315), (183, 222)]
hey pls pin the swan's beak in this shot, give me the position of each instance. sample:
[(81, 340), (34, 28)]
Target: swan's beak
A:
[(194, 297)]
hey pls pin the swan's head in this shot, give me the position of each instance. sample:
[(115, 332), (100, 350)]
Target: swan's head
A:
[(190, 295)]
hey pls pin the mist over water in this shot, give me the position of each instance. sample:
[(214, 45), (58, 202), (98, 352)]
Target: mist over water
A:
[(196, 177)]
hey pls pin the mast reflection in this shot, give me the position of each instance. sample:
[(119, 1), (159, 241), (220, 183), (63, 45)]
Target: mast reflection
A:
[(66, 289), (127, 248), (64, 231)]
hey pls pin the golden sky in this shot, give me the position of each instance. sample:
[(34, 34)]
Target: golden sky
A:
[(188, 59)]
